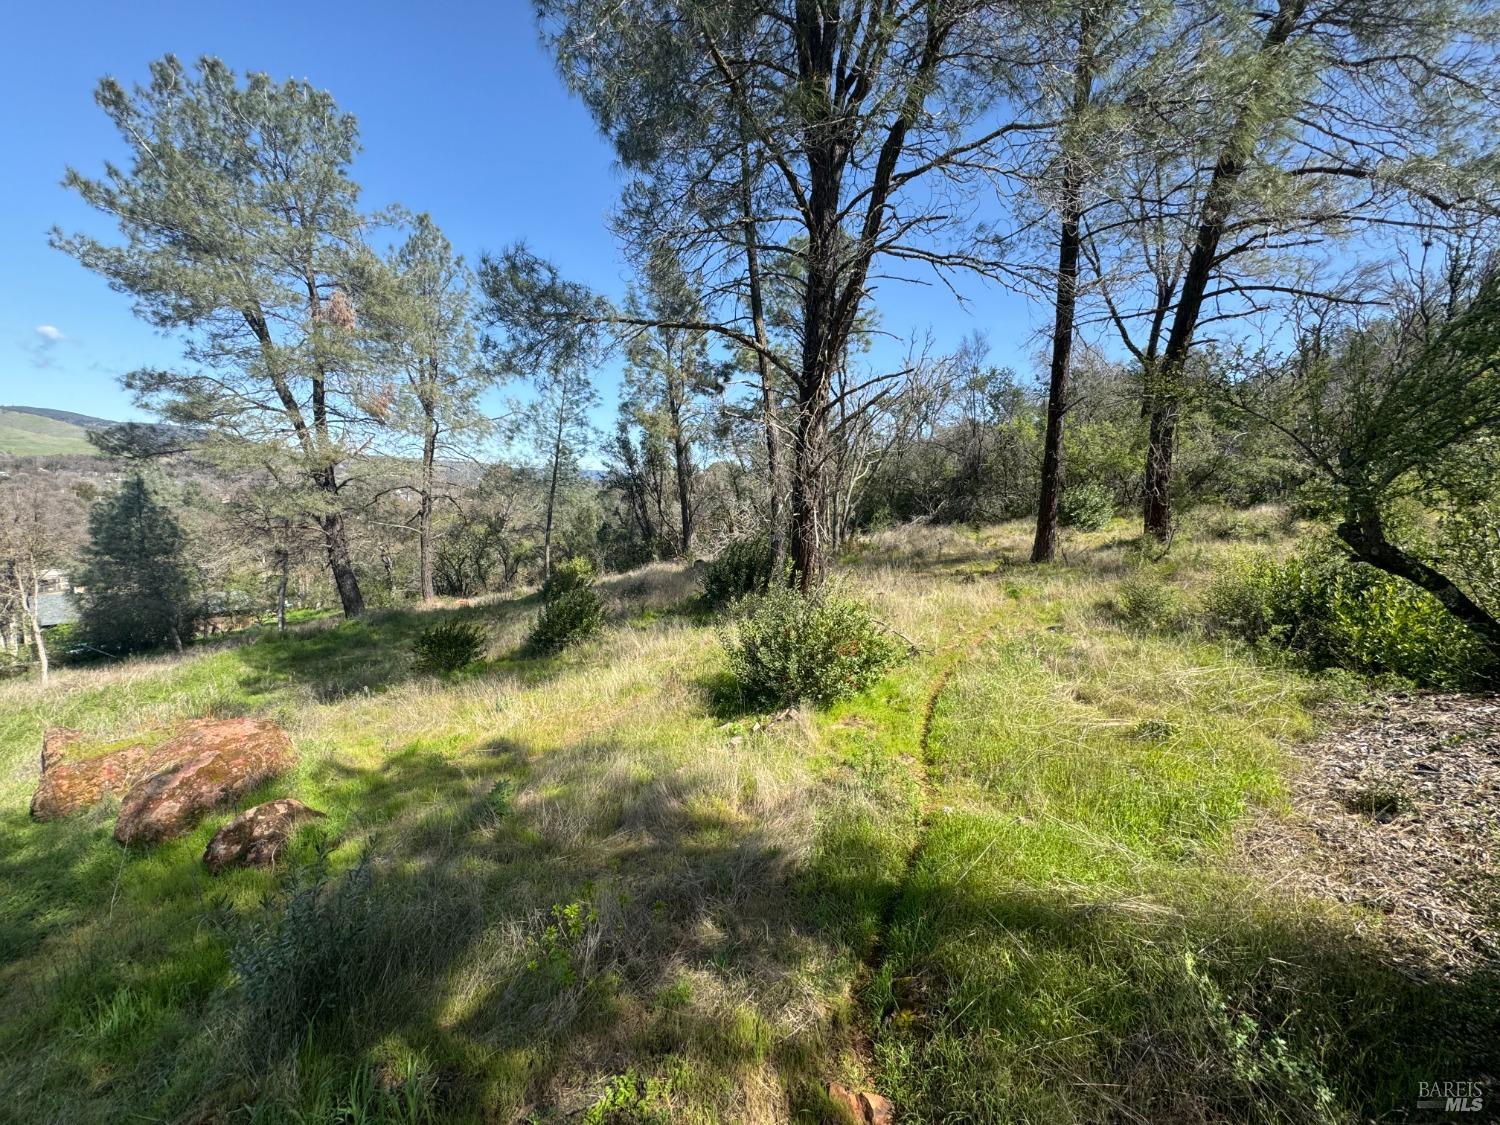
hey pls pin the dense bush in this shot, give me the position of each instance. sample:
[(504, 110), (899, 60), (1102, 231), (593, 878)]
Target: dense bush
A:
[(786, 646), (449, 646), (742, 567), (570, 617), (570, 574), (1087, 507), (1332, 612)]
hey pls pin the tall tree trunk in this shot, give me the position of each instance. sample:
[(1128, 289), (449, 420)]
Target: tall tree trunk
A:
[(424, 528), (808, 493), (313, 442), (820, 350), (336, 545), (557, 451), (777, 534), (1044, 547), (684, 494), (33, 614), (283, 566), (1163, 383)]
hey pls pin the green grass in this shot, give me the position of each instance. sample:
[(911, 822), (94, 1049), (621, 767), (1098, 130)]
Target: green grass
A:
[(592, 885), (28, 435)]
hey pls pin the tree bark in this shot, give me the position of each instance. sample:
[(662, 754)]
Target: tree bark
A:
[(557, 449), (1363, 532), (1163, 393), (33, 614), (1044, 547), (424, 528), (283, 565), (683, 457), (336, 545), (776, 534), (682, 462)]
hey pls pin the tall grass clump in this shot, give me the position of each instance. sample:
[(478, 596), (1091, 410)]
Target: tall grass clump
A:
[(572, 611), (324, 948), (1328, 611), (1145, 603), (787, 646)]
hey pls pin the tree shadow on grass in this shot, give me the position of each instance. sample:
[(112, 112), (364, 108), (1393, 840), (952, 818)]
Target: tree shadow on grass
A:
[(51, 874), (374, 652), (510, 927), (722, 698), (1219, 1007)]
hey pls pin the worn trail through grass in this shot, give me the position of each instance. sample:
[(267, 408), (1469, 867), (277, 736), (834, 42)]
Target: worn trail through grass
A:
[(922, 772)]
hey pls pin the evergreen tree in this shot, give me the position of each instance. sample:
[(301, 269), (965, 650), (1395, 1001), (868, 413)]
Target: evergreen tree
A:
[(418, 308), (137, 585), (240, 224), (556, 428), (668, 372)]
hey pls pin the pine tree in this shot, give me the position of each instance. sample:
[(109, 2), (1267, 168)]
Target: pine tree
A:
[(137, 585), (240, 224)]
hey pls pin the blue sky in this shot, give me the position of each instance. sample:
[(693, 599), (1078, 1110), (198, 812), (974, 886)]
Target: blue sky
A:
[(461, 114)]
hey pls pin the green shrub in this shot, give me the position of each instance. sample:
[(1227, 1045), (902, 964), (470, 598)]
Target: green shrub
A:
[(743, 567), (786, 646), (1086, 507), (570, 617), (1331, 612), (1146, 603), (570, 574), (449, 646)]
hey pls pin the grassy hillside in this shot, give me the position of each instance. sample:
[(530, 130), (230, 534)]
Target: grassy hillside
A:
[(23, 435), (998, 886)]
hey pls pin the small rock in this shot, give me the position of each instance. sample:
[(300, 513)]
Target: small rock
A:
[(878, 1110), (256, 837), (847, 1101), (216, 763), (865, 1107)]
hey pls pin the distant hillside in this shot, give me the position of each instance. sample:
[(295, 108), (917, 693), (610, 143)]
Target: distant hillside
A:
[(27, 431), (85, 421)]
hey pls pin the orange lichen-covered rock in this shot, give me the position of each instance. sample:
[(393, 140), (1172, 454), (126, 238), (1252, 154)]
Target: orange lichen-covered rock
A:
[(70, 784), (256, 837), (212, 763)]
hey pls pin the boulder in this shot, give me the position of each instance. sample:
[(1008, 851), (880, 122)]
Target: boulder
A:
[(256, 837), (71, 784), (211, 764)]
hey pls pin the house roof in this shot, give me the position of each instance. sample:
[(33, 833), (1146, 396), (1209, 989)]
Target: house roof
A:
[(56, 609)]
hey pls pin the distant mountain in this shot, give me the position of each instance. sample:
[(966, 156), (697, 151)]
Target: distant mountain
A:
[(32, 431), (83, 421)]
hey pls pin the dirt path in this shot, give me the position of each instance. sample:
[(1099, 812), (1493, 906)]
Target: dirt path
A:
[(1399, 812)]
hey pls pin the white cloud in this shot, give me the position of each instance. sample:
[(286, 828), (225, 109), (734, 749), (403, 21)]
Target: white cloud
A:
[(49, 332)]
